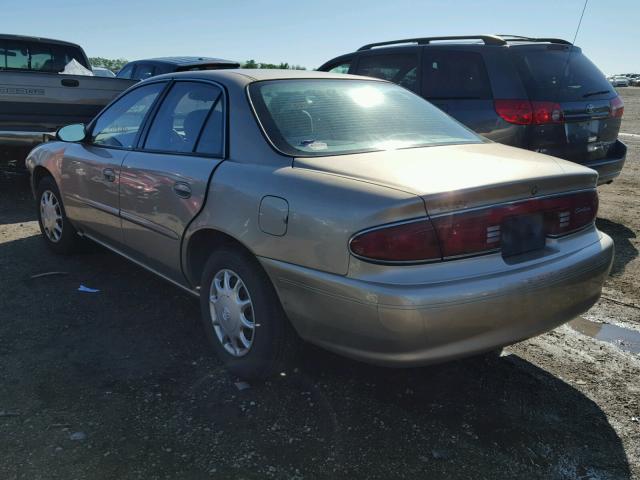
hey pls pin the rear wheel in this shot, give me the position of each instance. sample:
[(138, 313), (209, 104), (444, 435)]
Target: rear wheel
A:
[(60, 235), (242, 316)]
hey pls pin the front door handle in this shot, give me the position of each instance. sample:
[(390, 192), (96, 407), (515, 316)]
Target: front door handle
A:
[(183, 190), (109, 175)]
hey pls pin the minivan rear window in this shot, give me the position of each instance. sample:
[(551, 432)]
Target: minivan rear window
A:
[(559, 74), (315, 117)]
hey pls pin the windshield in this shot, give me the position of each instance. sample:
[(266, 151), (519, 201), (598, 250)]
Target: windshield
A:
[(320, 117), (554, 74)]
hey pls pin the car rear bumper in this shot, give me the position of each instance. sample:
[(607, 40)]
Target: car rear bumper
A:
[(410, 325), (610, 167)]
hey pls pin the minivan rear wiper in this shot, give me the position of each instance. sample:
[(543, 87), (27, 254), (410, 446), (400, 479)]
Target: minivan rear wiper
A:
[(591, 94)]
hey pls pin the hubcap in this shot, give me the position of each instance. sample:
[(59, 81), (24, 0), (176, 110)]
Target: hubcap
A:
[(51, 216), (232, 312)]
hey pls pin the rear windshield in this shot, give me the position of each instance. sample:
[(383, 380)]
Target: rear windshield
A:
[(560, 74), (38, 56), (326, 117)]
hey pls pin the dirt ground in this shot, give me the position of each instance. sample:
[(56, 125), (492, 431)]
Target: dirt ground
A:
[(119, 384)]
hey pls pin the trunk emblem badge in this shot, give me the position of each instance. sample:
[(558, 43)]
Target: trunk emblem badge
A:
[(589, 108)]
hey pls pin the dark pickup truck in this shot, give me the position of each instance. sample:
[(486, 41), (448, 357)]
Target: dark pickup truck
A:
[(37, 98)]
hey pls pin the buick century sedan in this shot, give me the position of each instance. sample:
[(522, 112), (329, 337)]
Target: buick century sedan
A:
[(343, 211)]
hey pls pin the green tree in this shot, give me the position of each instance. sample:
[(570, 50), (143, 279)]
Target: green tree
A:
[(112, 64), (283, 65)]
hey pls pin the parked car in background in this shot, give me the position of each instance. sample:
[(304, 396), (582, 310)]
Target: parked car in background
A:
[(142, 69), (36, 98), (619, 81), (542, 94), (102, 72), (232, 184)]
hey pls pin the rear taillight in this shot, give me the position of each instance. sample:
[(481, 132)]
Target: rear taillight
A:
[(472, 232), (405, 242), (514, 111), (617, 107), (524, 112)]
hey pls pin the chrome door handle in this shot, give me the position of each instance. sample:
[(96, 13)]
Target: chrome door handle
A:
[(109, 175), (182, 189)]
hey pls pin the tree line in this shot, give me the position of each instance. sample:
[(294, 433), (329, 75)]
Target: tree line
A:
[(115, 64)]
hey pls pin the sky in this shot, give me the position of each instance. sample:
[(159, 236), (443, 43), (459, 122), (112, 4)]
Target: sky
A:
[(309, 33)]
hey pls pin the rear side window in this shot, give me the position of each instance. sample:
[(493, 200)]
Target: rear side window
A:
[(401, 68), (178, 124), (118, 126), (454, 75), (340, 68), (41, 57), (559, 74)]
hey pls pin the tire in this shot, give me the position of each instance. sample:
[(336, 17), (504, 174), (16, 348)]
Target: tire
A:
[(232, 277), (61, 237)]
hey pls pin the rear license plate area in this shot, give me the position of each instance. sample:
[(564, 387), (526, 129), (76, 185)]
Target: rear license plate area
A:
[(521, 234)]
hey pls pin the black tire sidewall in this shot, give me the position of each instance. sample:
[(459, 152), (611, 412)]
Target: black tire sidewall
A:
[(272, 336), (68, 239)]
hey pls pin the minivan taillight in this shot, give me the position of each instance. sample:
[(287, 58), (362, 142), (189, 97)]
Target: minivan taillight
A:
[(525, 112), (472, 232), (617, 107)]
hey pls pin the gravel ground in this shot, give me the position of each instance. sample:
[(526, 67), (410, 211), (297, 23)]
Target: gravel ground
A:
[(120, 383)]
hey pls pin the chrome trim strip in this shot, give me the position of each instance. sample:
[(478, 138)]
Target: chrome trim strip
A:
[(143, 222), (137, 262)]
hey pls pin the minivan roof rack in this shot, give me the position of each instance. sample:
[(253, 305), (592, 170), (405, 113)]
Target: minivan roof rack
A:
[(520, 38), (487, 39)]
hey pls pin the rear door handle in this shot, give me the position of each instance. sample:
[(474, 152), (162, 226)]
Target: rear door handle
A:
[(70, 82), (183, 190), (109, 175)]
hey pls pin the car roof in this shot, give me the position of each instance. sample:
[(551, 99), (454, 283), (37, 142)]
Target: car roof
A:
[(26, 38), (183, 61), (244, 76)]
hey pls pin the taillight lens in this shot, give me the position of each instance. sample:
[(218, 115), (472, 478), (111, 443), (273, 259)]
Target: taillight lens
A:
[(547, 112), (472, 232), (518, 112), (406, 242), (617, 107), (524, 112)]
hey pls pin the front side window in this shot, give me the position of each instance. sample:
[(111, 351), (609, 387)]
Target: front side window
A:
[(144, 70), (340, 68), (451, 74), (126, 72), (178, 125), (396, 68), (325, 117), (118, 126)]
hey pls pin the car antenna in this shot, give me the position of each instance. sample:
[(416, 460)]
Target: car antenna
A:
[(575, 36)]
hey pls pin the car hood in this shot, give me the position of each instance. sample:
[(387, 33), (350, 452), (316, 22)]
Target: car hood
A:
[(454, 177)]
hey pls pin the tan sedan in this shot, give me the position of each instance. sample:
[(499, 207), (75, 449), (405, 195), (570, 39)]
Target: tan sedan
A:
[(344, 211)]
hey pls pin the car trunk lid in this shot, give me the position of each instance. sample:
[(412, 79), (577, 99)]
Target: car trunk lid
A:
[(455, 177)]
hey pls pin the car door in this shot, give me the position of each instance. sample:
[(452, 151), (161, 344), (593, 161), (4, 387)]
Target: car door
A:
[(90, 170), (164, 182)]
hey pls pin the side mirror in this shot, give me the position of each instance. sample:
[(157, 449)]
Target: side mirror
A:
[(72, 133)]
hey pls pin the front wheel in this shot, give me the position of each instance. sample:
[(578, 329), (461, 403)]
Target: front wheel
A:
[(242, 316), (60, 235)]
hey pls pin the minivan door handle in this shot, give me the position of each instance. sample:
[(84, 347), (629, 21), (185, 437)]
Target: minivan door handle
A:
[(183, 190), (109, 175), (70, 82)]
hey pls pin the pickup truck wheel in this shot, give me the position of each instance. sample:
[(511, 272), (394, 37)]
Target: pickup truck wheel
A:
[(242, 316), (60, 235)]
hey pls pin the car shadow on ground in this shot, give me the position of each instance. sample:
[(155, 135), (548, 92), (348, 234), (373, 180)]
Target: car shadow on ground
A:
[(622, 235), (16, 201), (129, 368)]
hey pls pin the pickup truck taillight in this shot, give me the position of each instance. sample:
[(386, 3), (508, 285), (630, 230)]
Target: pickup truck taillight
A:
[(525, 112), (617, 107), (471, 232)]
